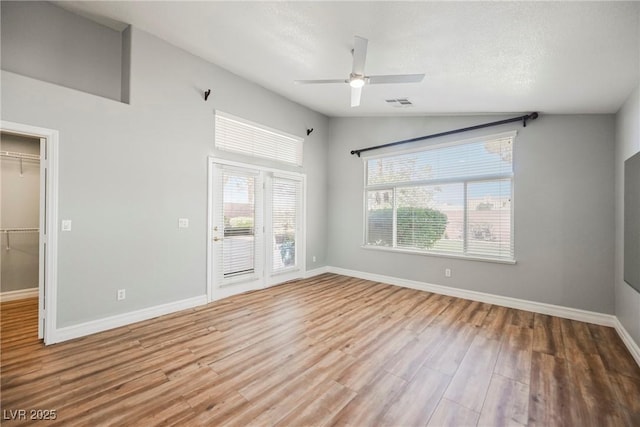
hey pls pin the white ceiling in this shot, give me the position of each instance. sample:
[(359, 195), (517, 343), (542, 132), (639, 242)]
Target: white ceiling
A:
[(478, 57)]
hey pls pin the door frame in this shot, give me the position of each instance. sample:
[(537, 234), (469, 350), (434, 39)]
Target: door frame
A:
[(48, 245), (268, 279)]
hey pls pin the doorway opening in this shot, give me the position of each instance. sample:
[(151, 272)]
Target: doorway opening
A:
[(20, 232), (27, 228)]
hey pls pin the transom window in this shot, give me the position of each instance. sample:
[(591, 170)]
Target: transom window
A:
[(450, 199), (255, 140)]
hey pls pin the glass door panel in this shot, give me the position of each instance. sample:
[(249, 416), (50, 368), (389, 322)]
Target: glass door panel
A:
[(239, 214), (284, 217), (237, 230)]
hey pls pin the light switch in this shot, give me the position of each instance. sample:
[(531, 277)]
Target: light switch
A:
[(66, 225), (183, 222)]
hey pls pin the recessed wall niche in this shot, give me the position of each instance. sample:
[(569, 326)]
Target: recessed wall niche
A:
[(47, 42)]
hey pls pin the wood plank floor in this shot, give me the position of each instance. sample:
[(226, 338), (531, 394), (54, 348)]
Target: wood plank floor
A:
[(330, 350)]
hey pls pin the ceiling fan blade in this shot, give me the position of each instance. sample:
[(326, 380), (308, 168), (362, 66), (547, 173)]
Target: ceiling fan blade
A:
[(356, 92), (305, 82), (395, 78), (359, 55)]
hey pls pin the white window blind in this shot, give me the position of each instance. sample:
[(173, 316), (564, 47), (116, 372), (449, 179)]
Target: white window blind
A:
[(286, 195), (240, 218), (446, 199), (242, 136)]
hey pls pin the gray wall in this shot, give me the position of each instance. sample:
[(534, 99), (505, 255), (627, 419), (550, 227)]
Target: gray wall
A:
[(563, 205), (627, 144), (19, 207), (46, 42), (128, 172)]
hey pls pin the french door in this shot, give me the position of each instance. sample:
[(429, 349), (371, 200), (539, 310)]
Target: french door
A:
[(256, 228)]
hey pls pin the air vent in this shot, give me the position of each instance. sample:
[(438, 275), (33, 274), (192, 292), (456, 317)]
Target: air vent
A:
[(399, 102)]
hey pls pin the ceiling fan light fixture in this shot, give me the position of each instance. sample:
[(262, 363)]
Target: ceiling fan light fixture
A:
[(357, 78), (356, 81)]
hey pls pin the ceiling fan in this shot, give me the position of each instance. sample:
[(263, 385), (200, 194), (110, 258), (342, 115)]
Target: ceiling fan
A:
[(357, 79)]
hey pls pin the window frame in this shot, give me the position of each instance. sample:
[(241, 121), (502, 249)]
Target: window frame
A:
[(464, 180)]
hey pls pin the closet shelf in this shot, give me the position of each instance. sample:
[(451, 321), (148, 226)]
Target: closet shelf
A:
[(19, 230), (23, 156)]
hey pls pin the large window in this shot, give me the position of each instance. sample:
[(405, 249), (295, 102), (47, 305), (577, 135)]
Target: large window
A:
[(453, 199)]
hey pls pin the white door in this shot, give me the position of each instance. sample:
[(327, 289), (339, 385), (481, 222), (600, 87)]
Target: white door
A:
[(285, 231), (237, 230), (256, 228)]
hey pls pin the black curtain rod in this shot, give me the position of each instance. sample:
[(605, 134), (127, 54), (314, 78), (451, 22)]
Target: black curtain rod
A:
[(524, 119)]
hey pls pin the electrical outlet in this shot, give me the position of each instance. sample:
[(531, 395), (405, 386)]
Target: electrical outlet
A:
[(183, 222), (66, 225), (447, 272), (314, 258), (121, 294)]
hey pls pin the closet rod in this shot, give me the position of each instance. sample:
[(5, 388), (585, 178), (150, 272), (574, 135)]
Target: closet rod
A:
[(522, 119), (7, 231)]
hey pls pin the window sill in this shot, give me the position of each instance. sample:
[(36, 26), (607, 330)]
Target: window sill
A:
[(438, 254)]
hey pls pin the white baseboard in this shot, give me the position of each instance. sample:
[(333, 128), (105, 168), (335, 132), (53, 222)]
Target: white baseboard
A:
[(633, 347), (19, 294), (91, 327), (536, 307), (316, 272)]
